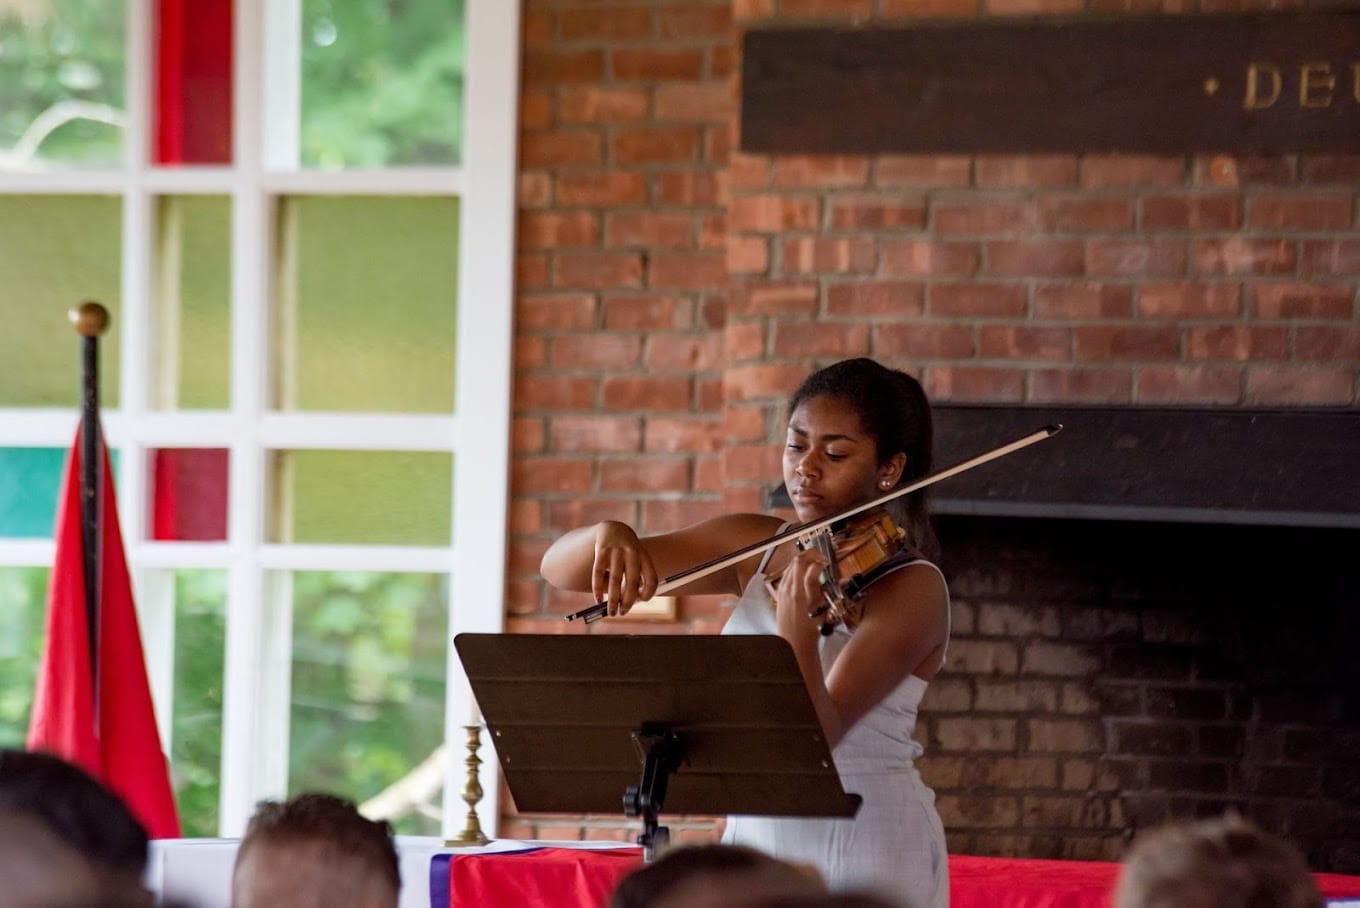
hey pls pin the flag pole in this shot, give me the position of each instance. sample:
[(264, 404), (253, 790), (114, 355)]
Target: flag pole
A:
[(90, 320)]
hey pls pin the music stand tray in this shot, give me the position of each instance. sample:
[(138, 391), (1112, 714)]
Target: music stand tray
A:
[(699, 724)]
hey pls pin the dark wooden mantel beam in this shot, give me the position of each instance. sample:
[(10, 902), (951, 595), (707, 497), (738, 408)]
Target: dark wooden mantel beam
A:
[(1169, 84), (1269, 467)]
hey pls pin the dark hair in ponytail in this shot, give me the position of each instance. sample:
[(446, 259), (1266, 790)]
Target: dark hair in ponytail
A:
[(893, 409)]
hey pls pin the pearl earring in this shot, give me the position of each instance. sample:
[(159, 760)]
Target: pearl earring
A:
[(885, 483)]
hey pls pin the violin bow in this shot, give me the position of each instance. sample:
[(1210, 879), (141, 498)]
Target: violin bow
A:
[(601, 609)]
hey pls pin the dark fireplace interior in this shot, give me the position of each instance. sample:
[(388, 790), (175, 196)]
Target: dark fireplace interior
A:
[(1108, 675)]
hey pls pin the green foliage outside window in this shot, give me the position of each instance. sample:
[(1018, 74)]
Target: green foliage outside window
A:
[(382, 83), (369, 653), (62, 83), (23, 615), (367, 688), (368, 682), (200, 662)]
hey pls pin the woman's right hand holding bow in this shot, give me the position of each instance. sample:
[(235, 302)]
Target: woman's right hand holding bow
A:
[(623, 573)]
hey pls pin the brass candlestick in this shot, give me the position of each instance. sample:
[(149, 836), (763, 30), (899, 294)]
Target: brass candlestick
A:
[(472, 792)]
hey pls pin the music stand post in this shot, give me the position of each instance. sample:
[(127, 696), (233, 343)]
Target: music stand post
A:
[(662, 750), (697, 724)]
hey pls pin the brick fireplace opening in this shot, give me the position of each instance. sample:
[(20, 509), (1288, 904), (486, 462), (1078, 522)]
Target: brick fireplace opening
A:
[(1108, 675)]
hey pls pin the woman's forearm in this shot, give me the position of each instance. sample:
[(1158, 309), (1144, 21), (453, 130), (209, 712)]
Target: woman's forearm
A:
[(568, 562)]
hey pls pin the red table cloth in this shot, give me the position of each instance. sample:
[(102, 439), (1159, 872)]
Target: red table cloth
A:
[(572, 877)]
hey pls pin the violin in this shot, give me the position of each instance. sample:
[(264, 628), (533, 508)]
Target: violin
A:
[(858, 551), (872, 536)]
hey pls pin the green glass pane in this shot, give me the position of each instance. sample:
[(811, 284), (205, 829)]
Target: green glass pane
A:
[(23, 617), (368, 303), (30, 479), (382, 83), (55, 252), (362, 497), (369, 656), (193, 304), (196, 736), (62, 66)]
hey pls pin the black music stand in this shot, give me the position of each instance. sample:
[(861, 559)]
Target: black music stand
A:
[(697, 724)]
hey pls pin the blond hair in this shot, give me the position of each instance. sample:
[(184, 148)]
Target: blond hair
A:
[(1227, 862)]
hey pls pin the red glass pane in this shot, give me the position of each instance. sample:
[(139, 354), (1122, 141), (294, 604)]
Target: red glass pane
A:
[(189, 494), (193, 87)]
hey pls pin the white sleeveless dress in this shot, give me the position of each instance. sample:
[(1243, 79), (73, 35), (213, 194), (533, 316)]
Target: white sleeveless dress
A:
[(895, 845)]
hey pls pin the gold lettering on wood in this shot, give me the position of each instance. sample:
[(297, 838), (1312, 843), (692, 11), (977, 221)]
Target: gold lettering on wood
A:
[(1316, 84), (1253, 100)]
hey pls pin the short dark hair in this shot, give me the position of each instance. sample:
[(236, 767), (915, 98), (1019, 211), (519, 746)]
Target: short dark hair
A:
[(894, 411), (76, 806), (652, 882), (848, 899), (315, 817)]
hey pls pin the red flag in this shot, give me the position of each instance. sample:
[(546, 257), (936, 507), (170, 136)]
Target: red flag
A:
[(118, 742)]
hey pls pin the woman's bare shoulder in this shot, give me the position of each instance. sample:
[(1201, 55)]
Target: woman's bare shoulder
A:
[(926, 576), (914, 591)]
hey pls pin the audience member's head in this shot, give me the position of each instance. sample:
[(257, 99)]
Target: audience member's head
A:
[(79, 812), (848, 899), (39, 869), (700, 876), (1218, 863), (315, 850)]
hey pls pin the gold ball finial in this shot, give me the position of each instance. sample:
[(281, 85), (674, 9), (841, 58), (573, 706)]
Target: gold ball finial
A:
[(89, 318)]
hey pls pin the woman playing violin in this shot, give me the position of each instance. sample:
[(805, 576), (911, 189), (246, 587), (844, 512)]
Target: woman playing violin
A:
[(856, 430)]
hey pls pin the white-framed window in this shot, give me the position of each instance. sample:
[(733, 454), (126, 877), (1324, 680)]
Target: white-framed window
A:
[(306, 386)]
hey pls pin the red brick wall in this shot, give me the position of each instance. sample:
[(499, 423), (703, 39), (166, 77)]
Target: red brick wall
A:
[(672, 291), (622, 283), (626, 111)]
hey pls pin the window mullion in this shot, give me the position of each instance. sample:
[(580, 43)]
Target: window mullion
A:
[(156, 613), (135, 354), (282, 104), (153, 592), (485, 272), (244, 693), (140, 54), (156, 620), (27, 552)]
